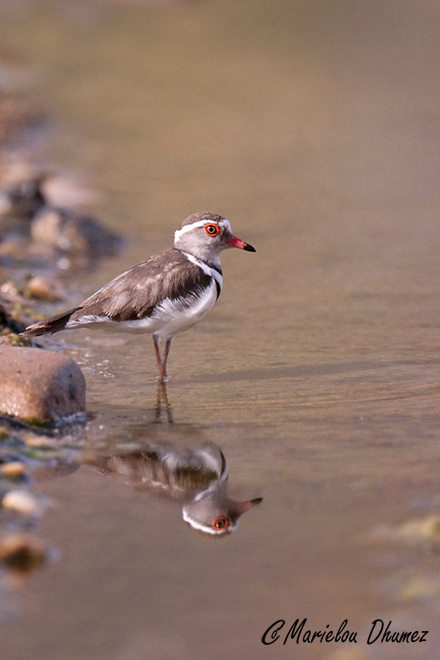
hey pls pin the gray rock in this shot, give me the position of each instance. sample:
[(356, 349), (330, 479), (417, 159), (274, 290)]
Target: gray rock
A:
[(8, 321), (40, 386), (23, 199), (73, 234)]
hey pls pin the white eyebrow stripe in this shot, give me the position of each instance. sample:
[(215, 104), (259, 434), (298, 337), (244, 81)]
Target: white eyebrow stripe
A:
[(206, 528), (178, 233), (199, 223)]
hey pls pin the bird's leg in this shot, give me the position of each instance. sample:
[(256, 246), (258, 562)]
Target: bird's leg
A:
[(165, 356), (159, 360), (162, 361)]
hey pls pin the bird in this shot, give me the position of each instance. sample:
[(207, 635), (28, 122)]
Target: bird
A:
[(196, 476), (166, 294)]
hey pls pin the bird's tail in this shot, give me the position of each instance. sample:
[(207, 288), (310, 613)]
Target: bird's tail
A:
[(50, 325)]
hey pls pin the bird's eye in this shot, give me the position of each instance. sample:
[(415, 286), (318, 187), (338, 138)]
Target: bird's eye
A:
[(212, 230), (220, 523)]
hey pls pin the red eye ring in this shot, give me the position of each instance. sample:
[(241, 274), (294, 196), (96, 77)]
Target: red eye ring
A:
[(220, 523), (211, 230)]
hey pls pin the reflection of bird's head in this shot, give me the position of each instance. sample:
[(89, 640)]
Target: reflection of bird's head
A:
[(212, 512)]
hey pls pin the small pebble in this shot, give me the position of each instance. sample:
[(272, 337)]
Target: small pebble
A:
[(22, 552), (9, 288), (12, 470), (21, 501), (45, 289), (12, 247), (349, 654), (421, 529), (38, 441), (8, 338)]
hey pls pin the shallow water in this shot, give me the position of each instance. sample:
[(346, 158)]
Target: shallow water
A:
[(312, 126)]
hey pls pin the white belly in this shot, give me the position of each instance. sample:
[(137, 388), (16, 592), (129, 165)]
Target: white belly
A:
[(168, 319), (173, 316)]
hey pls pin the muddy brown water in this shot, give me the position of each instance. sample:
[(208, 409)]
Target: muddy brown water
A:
[(314, 127)]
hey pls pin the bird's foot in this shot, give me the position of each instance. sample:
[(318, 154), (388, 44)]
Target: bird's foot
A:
[(162, 380)]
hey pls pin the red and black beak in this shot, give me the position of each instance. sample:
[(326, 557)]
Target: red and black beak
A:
[(241, 245), (242, 507)]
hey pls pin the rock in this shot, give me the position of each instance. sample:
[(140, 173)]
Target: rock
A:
[(417, 530), (44, 288), (38, 441), (8, 338), (12, 247), (65, 191), (22, 552), (23, 199), (13, 470), (78, 235), (21, 501), (9, 322), (349, 654), (39, 386)]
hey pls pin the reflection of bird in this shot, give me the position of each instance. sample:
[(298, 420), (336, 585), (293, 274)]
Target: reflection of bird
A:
[(164, 295), (196, 476)]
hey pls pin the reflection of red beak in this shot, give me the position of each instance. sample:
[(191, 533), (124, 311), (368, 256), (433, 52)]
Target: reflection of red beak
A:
[(242, 507), (241, 245)]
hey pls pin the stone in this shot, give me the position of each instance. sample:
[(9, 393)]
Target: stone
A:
[(25, 198), (40, 386), (22, 552), (12, 339), (73, 234), (20, 501), (64, 190), (13, 470), (44, 288), (8, 321)]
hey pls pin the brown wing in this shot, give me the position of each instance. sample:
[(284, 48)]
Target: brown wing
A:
[(135, 293)]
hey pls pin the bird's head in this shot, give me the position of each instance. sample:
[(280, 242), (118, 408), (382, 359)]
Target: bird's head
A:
[(205, 235)]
